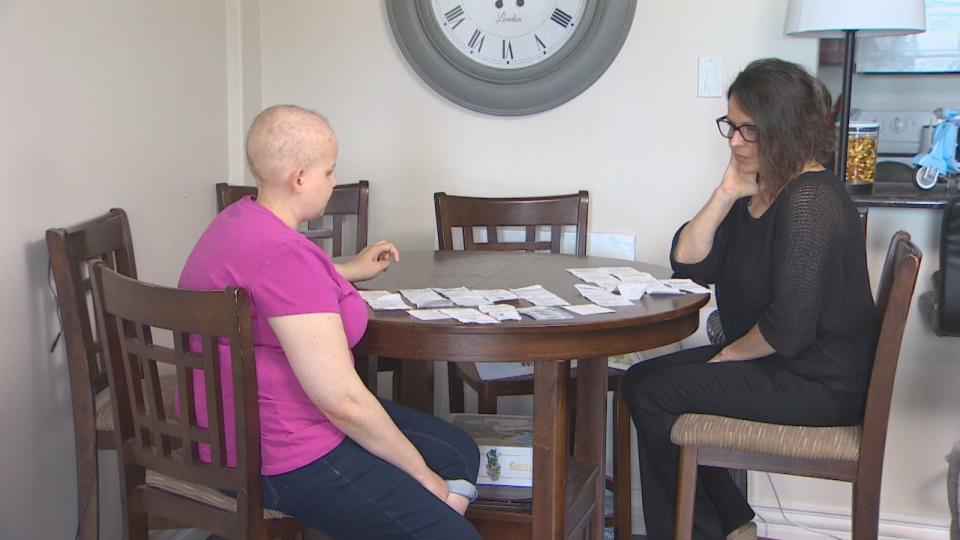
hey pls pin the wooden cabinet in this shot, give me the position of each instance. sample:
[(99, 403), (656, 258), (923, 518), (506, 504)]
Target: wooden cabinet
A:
[(831, 52)]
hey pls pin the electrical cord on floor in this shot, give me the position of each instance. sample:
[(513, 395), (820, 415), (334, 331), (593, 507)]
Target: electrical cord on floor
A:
[(785, 518)]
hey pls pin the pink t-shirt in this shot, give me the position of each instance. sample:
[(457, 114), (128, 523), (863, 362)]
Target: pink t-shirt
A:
[(283, 273)]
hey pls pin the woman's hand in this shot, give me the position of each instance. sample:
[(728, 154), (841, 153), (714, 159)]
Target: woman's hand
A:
[(737, 184), (370, 262), (751, 345), (436, 485)]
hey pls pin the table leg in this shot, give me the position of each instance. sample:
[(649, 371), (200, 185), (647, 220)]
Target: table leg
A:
[(590, 437), (550, 447), (416, 385)]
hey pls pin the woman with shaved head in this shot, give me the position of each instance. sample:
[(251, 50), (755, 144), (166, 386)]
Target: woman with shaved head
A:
[(334, 456)]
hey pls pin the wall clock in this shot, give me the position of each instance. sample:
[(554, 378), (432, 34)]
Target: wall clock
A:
[(510, 57)]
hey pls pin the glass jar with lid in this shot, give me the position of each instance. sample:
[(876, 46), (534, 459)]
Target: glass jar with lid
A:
[(862, 152)]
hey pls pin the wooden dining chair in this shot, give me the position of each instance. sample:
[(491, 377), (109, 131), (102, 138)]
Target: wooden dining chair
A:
[(158, 451), (346, 200), (535, 218), (848, 453), (106, 238), (327, 230)]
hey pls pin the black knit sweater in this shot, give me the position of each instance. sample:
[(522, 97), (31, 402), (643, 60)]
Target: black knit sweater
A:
[(800, 272)]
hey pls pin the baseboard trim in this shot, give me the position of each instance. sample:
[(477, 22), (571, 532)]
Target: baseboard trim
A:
[(823, 524)]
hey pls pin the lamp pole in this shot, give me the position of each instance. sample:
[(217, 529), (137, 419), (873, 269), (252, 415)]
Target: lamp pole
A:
[(841, 165)]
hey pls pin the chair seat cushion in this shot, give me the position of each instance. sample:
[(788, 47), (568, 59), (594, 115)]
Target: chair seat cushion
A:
[(105, 413), (826, 443), (201, 494)]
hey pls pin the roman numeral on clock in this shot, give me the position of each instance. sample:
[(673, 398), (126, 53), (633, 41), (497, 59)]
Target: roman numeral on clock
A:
[(455, 14), (476, 40), (541, 46), (506, 49), (561, 17)]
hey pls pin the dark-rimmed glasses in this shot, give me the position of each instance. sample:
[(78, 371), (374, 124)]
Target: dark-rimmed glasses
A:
[(748, 132)]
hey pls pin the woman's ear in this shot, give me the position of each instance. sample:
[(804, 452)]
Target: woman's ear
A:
[(295, 180)]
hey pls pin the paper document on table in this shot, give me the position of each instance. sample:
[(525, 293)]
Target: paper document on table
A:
[(428, 314), (500, 312), (544, 313), (490, 371), (634, 291), (383, 300), (660, 288), (686, 285), (610, 277), (425, 298), (601, 296), (538, 296), (463, 296), (598, 276), (588, 309), (640, 277), (469, 316), (370, 296), (496, 295)]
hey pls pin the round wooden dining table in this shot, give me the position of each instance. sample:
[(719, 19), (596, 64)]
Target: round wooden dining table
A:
[(567, 497)]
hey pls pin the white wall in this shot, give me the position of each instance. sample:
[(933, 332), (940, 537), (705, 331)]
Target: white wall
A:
[(638, 135), (107, 103), (143, 105), (640, 141)]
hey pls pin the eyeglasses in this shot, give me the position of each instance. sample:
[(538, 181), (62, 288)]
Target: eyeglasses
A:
[(748, 132)]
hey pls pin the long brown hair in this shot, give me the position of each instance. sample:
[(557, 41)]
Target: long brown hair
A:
[(790, 108)]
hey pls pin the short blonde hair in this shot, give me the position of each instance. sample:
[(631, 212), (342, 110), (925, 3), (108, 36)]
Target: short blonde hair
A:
[(285, 136)]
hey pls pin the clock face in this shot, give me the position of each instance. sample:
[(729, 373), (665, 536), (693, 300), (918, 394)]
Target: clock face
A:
[(510, 57), (508, 34)]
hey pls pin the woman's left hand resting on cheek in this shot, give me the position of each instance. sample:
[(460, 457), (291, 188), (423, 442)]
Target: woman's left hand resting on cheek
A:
[(370, 262)]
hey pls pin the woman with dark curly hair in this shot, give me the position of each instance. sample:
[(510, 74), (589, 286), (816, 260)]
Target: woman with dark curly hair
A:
[(781, 239)]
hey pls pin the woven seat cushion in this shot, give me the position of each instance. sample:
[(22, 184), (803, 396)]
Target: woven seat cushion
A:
[(105, 413), (201, 494), (827, 443)]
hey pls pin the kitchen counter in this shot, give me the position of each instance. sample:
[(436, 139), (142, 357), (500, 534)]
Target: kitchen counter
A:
[(901, 195)]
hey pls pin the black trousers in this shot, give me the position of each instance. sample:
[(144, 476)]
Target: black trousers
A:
[(657, 391)]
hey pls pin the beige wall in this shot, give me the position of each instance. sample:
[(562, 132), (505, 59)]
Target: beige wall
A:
[(104, 103), (640, 141), (638, 135), (143, 105)]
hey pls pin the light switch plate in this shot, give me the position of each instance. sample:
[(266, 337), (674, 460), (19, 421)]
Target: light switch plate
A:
[(709, 75)]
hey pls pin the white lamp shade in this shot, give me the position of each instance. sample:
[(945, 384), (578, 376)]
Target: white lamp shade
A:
[(870, 18)]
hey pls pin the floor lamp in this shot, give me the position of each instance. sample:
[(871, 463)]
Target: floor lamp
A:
[(847, 19)]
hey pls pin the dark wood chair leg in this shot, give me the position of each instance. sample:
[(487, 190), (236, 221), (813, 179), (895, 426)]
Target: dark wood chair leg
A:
[(622, 491), (455, 387), (367, 370), (572, 407), (686, 493), (397, 381), (416, 385), (486, 400), (88, 488), (866, 506)]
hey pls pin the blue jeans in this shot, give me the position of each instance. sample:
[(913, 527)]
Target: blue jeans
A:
[(350, 493)]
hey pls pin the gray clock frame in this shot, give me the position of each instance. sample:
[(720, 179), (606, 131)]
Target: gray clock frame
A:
[(511, 92)]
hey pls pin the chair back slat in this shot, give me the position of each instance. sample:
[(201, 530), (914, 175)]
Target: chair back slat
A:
[(150, 436), (228, 194), (894, 294), (528, 213), (188, 417), (106, 238), (348, 200)]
